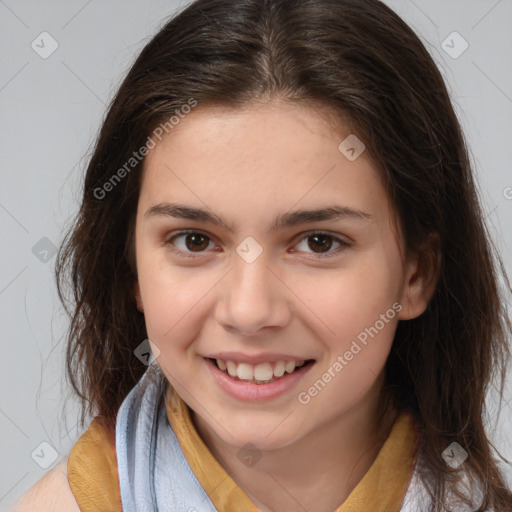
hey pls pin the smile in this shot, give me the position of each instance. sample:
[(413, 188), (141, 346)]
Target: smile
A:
[(264, 373), (257, 382)]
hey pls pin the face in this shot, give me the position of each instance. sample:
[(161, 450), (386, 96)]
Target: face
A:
[(235, 276)]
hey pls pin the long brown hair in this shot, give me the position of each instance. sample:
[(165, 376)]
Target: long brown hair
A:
[(360, 59)]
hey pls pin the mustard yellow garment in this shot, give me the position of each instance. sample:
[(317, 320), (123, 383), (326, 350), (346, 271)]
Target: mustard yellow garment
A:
[(92, 468)]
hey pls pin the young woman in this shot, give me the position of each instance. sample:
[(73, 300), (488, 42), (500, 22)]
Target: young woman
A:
[(281, 200)]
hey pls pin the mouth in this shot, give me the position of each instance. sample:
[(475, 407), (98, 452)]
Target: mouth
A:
[(261, 374)]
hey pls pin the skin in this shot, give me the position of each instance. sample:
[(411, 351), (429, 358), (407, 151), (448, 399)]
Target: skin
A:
[(248, 166), (52, 492)]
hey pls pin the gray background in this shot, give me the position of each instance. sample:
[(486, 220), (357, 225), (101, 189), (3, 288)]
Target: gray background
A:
[(51, 110)]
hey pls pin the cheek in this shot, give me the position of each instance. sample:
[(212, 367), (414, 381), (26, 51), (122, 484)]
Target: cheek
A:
[(355, 355), (356, 314), (346, 302), (173, 301)]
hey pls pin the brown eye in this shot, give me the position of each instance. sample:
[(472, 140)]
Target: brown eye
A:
[(321, 241), (188, 242), (196, 241), (319, 245)]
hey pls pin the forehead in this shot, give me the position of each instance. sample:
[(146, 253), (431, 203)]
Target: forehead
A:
[(263, 158)]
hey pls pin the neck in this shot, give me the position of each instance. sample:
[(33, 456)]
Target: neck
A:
[(319, 471)]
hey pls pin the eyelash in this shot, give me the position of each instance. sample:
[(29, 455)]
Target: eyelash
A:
[(169, 243)]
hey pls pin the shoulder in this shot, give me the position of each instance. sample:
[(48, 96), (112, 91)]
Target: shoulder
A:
[(50, 493)]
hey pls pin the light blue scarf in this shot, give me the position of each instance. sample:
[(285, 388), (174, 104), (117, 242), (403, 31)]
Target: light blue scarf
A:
[(153, 472)]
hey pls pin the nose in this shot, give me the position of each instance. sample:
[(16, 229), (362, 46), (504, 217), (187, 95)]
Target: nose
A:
[(253, 298)]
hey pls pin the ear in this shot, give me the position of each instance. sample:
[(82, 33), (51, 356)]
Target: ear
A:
[(421, 276), (138, 299)]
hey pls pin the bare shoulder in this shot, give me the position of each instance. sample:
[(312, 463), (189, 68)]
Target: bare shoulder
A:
[(50, 493)]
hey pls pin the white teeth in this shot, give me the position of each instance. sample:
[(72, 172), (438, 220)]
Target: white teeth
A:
[(290, 366), (261, 373), (231, 368), (245, 371), (279, 368)]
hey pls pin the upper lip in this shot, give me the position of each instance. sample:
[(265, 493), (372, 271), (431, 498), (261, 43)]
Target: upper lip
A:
[(239, 357)]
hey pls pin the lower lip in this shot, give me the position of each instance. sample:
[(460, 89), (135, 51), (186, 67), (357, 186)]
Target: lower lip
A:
[(250, 391)]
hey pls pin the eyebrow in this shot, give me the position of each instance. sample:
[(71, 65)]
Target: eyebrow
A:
[(289, 219)]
